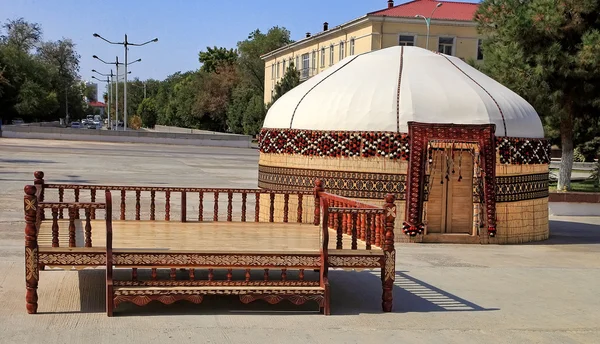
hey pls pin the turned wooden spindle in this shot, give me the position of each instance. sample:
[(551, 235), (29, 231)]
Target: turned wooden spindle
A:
[(93, 200), (257, 207), (211, 275), (344, 223), (167, 205), (378, 239), (152, 205), (216, 207), (244, 197), (31, 249), (229, 206), (271, 207), (367, 224), (134, 274), (299, 216), (247, 275), (388, 272), (183, 206), (301, 275), (55, 242), (266, 275), (192, 274), (373, 230), (284, 274), (72, 242), (229, 275), (201, 206), (123, 205), (286, 207), (173, 274), (88, 228), (338, 230), (331, 216), (76, 191), (317, 191), (361, 226), (38, 182), (153, 275), (353, 230), (137, 204), (61, 199)]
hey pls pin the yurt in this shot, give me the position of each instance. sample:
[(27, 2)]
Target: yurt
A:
[(464, 155)]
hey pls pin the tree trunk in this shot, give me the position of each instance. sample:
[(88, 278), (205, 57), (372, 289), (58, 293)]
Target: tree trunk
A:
[(566, 162)]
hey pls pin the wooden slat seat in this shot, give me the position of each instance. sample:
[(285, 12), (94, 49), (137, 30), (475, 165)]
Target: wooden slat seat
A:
[(197, 237)]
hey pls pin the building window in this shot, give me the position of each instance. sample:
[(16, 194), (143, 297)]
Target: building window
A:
[(297, 62), (479, 51), (277, 75), (313, 61), (283, 67), (406, 40), (352, 46), (273, 71), (342, 50), (331, 55), (322, 57), (305, 66), (446, 45)]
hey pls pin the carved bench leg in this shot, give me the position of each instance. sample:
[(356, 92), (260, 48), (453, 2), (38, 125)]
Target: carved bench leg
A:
[(387, 280), (32, 273), (32, 276), (109, 300)]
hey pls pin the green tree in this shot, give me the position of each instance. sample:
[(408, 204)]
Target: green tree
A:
[(549, 53), (21, 34), (290, 79), (215, 57), (254, 115), (147, 111), (62, 57), (252, 67), (246, 111)]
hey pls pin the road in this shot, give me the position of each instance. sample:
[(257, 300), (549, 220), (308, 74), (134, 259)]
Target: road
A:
[(539, 293)]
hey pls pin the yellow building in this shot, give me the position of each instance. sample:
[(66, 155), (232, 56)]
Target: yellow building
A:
[(451, 31)]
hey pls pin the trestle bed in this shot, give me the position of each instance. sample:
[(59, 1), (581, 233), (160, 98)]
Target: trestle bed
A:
[(206, 251)]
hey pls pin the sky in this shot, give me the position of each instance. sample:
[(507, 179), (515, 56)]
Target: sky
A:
[(183, 27)]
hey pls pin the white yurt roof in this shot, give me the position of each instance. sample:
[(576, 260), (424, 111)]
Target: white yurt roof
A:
[(384, 89)]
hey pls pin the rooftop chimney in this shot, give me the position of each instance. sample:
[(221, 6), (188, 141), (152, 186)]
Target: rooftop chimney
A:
[(390, 3), (325, 26), (307, 34)]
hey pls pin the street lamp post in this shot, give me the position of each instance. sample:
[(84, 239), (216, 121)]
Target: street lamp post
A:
[(428, 22), (117, 63), (125, 43), (109, 79)]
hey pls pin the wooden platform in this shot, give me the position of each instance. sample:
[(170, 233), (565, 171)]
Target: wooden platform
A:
[(198, 237)]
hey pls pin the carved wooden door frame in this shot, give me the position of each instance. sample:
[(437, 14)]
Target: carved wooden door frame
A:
[(419, 135)]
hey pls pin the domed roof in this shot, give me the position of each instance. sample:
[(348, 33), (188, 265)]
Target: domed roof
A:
[(383, 90)]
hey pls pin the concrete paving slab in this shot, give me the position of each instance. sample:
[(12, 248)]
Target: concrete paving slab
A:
[(537, 293)]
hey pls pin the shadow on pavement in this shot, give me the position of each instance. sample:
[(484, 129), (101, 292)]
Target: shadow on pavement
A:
[(352, 293), (571, 233)]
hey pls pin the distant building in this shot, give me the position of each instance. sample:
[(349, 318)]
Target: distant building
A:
[(452, 31), (100, 106)]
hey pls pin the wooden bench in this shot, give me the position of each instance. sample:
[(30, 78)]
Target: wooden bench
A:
[(266, 245)]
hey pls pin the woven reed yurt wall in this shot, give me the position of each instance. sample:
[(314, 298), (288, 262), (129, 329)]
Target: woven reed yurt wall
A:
[(522, 203), (364, 179)]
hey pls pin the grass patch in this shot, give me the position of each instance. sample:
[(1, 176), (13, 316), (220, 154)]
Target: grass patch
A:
[(578, 186)]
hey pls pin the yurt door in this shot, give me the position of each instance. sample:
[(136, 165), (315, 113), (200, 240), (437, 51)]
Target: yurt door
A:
[(450, 203)]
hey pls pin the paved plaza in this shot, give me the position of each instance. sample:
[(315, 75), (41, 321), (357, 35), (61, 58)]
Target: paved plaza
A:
[(536, 293)]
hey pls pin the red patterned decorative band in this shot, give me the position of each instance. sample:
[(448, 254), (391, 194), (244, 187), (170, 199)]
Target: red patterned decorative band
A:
[(392, 145)]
